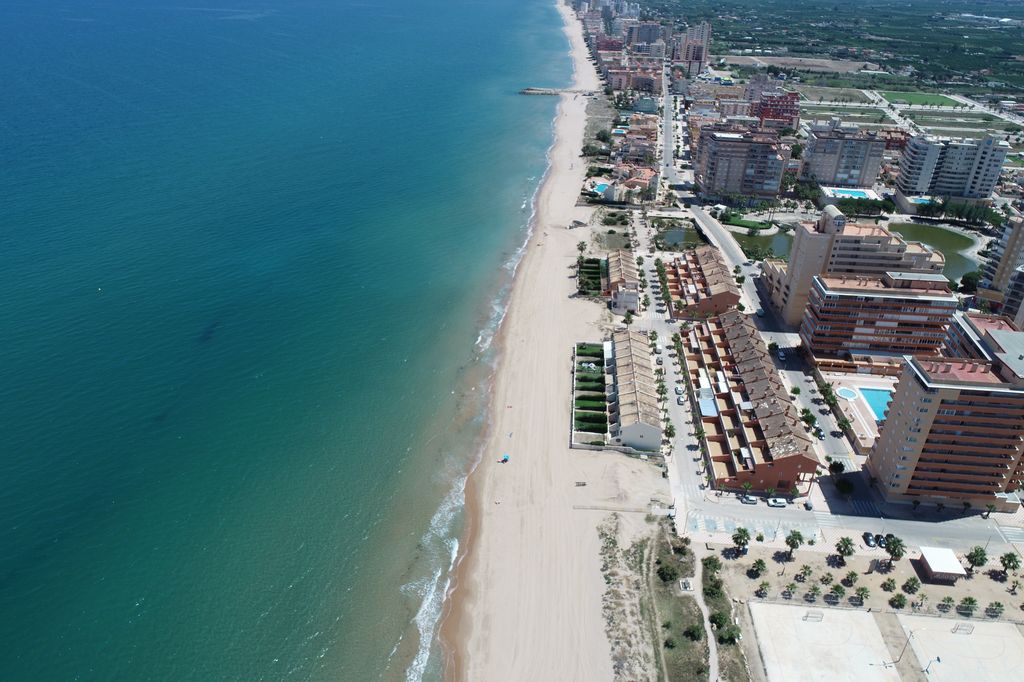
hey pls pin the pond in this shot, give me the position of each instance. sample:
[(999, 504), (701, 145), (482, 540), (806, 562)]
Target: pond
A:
[(953, 246), (678, 238), (779, 243)]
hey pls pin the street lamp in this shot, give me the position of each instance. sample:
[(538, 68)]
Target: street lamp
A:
[(927, 668)]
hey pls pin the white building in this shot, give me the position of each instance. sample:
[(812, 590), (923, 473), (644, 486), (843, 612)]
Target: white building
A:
[(945, 167)]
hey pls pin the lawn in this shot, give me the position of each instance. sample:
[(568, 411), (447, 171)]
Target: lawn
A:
[(735, 219), (925, 98)]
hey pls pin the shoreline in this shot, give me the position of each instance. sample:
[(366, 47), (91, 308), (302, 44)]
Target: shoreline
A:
[(467, 641)]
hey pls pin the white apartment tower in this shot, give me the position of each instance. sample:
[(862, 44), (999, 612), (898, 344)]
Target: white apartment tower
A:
[(945, 167)]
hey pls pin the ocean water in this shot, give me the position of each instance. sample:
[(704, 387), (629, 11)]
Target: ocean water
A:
[(251, 257)]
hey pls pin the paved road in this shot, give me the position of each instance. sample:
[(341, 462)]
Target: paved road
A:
[(702, 510)]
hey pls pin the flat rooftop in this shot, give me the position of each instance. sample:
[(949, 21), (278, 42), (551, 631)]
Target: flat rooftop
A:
[(989, 323)]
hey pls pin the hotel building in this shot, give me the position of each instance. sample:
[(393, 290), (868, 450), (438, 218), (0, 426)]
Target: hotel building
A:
[(842, 155), (736, 160), (752, 430), (954, 431), (1006, 255), (964, 169), (898, 313), (832, 246)]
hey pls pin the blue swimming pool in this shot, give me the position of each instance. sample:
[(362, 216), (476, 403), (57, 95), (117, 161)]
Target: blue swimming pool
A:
[(850, 193), (878, 400), (601, 188)]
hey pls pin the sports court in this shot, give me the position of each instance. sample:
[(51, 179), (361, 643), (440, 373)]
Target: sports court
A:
[(957, 650), (801, 642)]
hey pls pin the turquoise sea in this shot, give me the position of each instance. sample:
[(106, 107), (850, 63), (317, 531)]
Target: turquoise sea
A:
[(251, 258)]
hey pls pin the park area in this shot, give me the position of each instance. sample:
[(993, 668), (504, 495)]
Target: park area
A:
[(919, 99)]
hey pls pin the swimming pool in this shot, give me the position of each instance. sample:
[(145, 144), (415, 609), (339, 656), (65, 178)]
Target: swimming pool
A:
[(601, 188), (878, 400), (850, 193), (846, 392)]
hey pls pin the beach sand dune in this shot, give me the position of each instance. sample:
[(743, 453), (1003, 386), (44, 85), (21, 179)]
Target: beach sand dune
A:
[(526, 601)]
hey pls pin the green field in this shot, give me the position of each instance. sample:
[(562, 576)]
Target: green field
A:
[(925, 98), (815, 93)]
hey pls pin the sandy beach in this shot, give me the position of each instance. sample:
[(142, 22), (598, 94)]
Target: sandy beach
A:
[(526, 597)]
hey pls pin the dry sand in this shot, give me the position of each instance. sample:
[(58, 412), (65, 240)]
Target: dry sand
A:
[(526, 597)]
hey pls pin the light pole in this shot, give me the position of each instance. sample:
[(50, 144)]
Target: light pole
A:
[(927, 668)]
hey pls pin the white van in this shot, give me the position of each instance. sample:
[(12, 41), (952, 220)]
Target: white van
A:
[(658, 349)]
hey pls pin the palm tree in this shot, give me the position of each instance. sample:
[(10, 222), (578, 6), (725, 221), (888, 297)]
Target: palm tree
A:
[(946, 603), (805, 572), (581, 247), (851, 578), (989, 508), (814, 592), (977, 558), (843, 424), (769, 491), (747, 485), (845, 548), (863, 593), (759, 567), (838, 591), (895, 548), (1010, 562), (994, 609), (790, 589), (967, 605), (741, 538), (793, 541), (762, 589)]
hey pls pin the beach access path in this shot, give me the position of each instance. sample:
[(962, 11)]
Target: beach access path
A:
[(526, 601)]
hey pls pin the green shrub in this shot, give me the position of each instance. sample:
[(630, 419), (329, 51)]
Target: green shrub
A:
[(694, 633), (668, 573), (719, 619)]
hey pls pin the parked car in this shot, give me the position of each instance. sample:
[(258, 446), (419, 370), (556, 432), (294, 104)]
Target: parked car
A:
[(760, 312), (869, 539), (880, 540), (679, 390), (680, 400), (776, 502), (782, 356), (748, 499), (660, 360), (808, 506)]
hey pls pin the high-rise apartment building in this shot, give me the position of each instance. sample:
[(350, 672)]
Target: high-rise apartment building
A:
[(737, 160), (694, 48), (644, 32), (954, 431), (842, 155), (1006, 254), (967, 169), (899, 312), (778, 106), (833, 246)]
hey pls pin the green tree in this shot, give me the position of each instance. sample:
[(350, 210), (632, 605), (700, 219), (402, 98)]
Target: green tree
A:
[(758, 567), (863, 593), (851, 578), (843, 424), (790, 589), (795, 390), (836, 467), (977, 557), (762, 589), (741, 538), (581, 247), (898, 600), (969, 282), (838, 591), (895, 548), (911, 585), (668, 573), (989, 508), (794, 540), (747, 485), (994, 609), (967, 605), (1010, 562), (888, 584), (845, 548), (947, 603)]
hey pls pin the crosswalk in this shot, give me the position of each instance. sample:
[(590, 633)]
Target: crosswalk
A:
[(707, 523), (1012, 535)]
